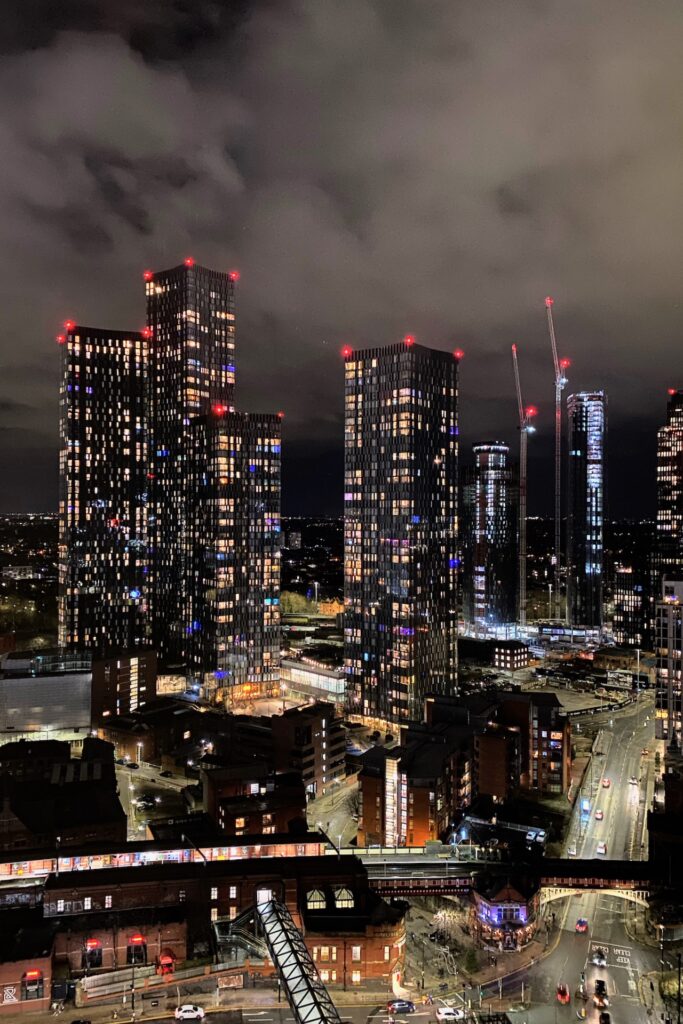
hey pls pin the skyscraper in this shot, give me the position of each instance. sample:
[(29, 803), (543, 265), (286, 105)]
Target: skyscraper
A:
[(191, 316), (233, 618), (400, 529), (628, 574), (170, 508), (669, 540), (489, 533), (585, 507), (669, 666), (103, 558)]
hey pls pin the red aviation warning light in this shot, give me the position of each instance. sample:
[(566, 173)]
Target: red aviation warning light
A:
[(188, 261), (147, 275), (234, 275), (565, 364), (347, 351), (219, 410), (409, 340), (61, 338), (549, 301), (280, 415), (459, 354), (146, 332), (670, 391), (530, 411), (69, 325)]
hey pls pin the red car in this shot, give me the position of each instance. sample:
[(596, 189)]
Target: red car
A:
[(582, 925), (563, 994)]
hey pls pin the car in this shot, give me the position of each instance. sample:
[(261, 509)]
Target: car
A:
[(166, 774), (600, 998), (644, 752), (602, 849), (540, 836), (571, 852), (120, 760), (189, 1011), (132, 764), (633, 780), (600, 957), (604, 1017), (563, 994), (449, 1013), (531, 835), (606, 783), (400, 1006), (581, 925), (599, 815)]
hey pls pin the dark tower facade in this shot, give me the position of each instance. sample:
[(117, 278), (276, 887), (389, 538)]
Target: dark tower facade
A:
[(103, 554), (191, 317), (587, 421), (400, 529), (489, 537)]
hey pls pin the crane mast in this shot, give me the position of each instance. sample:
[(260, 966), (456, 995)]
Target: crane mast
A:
[(560, 383), (525, 428)]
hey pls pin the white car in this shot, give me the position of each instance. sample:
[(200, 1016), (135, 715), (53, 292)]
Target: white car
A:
[(571, 852), (449, 1013), (602, 848), (188, 1011)]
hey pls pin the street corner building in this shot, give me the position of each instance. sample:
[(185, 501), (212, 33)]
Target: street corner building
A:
[(400, 529)]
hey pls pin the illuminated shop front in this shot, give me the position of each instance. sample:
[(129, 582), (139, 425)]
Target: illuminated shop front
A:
[(505, 912)]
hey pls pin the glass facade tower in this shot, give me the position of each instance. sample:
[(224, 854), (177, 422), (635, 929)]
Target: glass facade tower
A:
[(400, 529), (489, 533), (587, 422)]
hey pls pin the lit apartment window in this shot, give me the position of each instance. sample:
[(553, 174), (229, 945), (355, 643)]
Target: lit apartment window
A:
[(87, 903), (233, 892), (107, 902), (214, 892), (214, 913), (355, 977), (355, 954)]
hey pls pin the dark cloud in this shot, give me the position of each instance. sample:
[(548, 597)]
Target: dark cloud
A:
[(372, 168)]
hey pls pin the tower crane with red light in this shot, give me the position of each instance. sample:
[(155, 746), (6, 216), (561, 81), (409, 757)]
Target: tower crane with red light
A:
[(526, 427), (560, 366)]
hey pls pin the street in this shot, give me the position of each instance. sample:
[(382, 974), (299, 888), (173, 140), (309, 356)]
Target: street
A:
[(622, 804)]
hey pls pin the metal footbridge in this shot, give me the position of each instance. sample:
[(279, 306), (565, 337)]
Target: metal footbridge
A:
[(308, 998)]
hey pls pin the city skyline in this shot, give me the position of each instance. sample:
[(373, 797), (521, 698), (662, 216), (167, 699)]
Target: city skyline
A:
[(327, 231)]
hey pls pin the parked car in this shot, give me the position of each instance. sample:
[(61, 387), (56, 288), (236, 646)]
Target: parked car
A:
[(600, 957), (132, 764), (189, 1011), (165, 774), (633, 780), (400, 1006)]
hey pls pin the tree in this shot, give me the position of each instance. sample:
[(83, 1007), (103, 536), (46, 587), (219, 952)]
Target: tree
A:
[(471, 961)]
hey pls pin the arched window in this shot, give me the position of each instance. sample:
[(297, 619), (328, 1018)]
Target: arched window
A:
[(343, 898), (315, 900)]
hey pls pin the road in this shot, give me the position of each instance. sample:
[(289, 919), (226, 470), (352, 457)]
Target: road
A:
[(133, 783), (626, 962), (623, 805)]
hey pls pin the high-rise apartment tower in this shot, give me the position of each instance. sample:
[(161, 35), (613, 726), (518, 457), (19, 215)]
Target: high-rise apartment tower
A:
[(586, 507), (400, 529), (489, 538)]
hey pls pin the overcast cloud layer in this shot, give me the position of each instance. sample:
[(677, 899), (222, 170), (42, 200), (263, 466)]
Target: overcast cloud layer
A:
[(372, 167)]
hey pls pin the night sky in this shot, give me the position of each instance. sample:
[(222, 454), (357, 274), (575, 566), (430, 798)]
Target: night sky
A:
[(372, 167)]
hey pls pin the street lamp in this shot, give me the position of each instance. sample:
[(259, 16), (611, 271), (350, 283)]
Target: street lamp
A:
[(139, 749)]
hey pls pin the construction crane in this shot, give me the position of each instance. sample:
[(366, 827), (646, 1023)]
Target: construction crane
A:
[(561, 366), (525, 428)]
